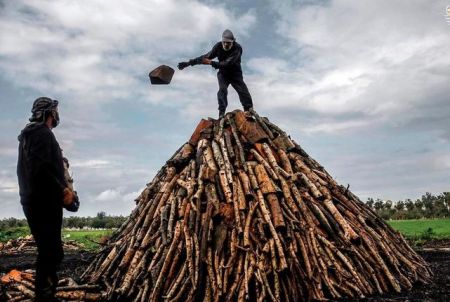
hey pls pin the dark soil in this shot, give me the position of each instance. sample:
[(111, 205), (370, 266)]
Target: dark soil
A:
[(435, 244), (437, 291), (436, 253), (73, 265)]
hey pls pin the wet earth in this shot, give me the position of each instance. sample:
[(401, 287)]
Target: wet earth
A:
[(73, 265), (436, 253)]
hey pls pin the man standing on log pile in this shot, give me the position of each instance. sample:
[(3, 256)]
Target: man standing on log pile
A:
[(229, 53), (44, 192)]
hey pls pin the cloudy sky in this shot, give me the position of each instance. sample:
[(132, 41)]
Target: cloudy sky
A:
[(363, 86)]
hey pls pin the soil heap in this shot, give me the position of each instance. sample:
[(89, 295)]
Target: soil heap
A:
[(242, 212)]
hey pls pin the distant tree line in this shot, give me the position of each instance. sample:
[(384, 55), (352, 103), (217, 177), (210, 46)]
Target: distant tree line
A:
[(428, 206), (101, 221)]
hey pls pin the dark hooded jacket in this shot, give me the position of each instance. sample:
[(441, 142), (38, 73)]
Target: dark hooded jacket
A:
[(40, 168), (229, 61)]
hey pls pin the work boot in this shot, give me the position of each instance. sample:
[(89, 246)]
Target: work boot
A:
[(45, 295), (46, 287), (249, 113)]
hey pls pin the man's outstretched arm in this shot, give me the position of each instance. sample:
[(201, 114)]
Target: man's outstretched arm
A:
[(203, 59)]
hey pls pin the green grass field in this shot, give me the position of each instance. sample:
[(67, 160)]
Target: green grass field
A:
[(423, 228), (85, 237), (416, 230), (13, 233)]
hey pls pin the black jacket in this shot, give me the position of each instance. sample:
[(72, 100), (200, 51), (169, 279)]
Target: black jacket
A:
[(229, 61), (40, 168)]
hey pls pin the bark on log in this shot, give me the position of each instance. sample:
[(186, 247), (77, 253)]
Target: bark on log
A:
[(200, 131), (264, 181), (250, 129)]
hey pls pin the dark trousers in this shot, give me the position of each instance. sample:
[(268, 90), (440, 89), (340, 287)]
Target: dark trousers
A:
[(45, 224), (237, 82)]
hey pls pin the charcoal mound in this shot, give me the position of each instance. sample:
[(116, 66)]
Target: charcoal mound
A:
[(242, 213)]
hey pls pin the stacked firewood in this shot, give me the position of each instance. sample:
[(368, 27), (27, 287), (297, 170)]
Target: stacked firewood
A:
[(27, 244), (19, 286), (241, 212)]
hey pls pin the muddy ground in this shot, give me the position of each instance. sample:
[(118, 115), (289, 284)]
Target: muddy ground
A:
[(437, 253)]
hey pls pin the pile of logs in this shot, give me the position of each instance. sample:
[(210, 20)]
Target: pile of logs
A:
[(19, 286), (27, 244), (241, 212)]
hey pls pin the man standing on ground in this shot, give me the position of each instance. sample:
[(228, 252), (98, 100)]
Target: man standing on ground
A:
[(43, 192), (228, 52)]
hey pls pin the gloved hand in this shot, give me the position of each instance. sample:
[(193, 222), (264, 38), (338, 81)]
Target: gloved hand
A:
[(183, 65), (215, 64), (70, 200), (68, 196)]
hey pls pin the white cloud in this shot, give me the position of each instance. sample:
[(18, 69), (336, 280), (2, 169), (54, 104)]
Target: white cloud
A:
[(8, 185), (90, 163), (9, 195), (109, 195), (96, 50), (441, 162), (334, 126), (130, 197), (114, 201), (8, 151), (381, 59)]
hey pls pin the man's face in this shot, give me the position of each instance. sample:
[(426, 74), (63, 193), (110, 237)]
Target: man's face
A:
[(227, 45), (55, 115)]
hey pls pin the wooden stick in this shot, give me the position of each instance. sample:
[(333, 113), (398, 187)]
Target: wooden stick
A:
[(228, 167), (225, 187), (262, 161), (236, 203), (157, 287), (238, 142), (266, 215), (246, 184)]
